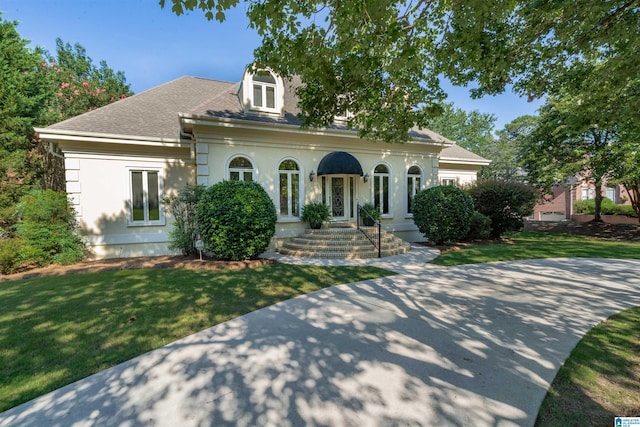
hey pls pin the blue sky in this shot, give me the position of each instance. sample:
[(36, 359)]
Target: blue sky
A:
[(152, 45)]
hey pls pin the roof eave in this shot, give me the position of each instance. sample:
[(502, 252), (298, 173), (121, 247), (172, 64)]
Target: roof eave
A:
[(195, 119), (58, 135)]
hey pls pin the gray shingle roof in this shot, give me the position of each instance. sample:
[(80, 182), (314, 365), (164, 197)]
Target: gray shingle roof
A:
[(455, 152), (152, 113)]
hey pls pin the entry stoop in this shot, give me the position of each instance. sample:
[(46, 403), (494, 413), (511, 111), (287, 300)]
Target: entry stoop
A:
[(342, 241)]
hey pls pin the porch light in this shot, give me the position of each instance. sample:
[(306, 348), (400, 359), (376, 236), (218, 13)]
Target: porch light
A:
[(365, 178), (312, 175)]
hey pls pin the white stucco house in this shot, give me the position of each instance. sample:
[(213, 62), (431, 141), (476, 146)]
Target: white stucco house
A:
[(121, 160)]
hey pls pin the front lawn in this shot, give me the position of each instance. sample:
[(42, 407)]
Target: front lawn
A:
[(531, 244), (56, 330), (601, 378)]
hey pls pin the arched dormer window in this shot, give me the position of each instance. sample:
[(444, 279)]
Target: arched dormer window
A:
[(264, 90)]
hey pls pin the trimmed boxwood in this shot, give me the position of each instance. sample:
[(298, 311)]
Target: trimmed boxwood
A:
[(443, 213), (237, 220)]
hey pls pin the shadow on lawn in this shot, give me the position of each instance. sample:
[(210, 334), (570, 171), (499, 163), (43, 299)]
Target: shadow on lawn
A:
[(470, 345)]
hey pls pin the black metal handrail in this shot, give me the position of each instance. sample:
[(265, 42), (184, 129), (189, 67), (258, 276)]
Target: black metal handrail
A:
[(373, 231)]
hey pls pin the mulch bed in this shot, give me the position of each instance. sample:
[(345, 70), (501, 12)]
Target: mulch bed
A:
[(135, 263), (621, 232)]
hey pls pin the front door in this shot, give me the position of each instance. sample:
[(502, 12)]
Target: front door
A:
[(339, 193)]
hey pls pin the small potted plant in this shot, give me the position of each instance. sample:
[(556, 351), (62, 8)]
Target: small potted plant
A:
[(373, 214), (315, 213)]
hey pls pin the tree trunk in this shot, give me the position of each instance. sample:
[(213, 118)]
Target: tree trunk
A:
[(598, 207), (633, 190)]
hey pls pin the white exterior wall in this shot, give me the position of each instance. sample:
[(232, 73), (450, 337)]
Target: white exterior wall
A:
[(266, 150), (100, 190)]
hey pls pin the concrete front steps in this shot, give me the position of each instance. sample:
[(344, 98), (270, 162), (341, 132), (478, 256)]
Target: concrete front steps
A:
[(342, 242)]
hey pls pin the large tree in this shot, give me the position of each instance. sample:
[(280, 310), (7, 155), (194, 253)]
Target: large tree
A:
[(470, 130), (23, 96), (76, 86), (568, 140), (382, 59), (38, 89)]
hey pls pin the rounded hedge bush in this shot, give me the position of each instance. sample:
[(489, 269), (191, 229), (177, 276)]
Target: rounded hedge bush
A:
[(507, 203), (236, 220), (443, 214)]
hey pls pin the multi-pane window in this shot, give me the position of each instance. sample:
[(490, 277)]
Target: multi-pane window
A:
[(240, 169), (264, 90), (588, 193), (145, 197), (289, 173), (448, 181), (414, 178), (381, 188)]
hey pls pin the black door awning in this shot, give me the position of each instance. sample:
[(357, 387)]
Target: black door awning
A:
[(339, 163)]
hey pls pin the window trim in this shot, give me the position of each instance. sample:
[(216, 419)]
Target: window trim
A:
[(375, 176), (253, 170), (289, 217), (263, 88), (406, 183), (146, 222)]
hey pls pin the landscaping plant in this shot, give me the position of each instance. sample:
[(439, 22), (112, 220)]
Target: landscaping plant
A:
[(315, 213), (507, 203), (47, 227), (443, 213), (237, 220), (182, 207)]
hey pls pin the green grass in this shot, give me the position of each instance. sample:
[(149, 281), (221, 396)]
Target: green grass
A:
[(529, 245), (56, 330), (601, 378)]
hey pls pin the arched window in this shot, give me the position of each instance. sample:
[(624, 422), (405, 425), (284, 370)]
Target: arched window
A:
[(414, 180), (264, 91), (381, 188), (240, 169), (289, 188)]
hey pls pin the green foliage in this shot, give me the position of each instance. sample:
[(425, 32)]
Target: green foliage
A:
[(236, 219), (507, 203), (47, 227), (480, 227), (607, 207), (443, 213), (10, 255), (383, 59), (315, 213), (470, 130), (23, 94), (78, 85), (372, 213), (184, 234)]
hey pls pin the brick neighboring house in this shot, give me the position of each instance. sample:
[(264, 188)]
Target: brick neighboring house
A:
[(559, 206)]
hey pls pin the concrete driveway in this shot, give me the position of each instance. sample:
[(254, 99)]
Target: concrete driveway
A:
[(475, 345)]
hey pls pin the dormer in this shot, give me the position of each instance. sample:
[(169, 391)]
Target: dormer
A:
[(262, 92)]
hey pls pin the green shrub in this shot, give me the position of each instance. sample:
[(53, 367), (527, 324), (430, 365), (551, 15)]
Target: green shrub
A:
[(48, 228), (480, 227), (588, 207), (443, 213), (184, 234), (315, 213), (507, 203), (237, 219), (10, 255)]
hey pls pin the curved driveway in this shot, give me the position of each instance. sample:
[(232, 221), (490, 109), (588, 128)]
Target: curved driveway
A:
[(475, 345)]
